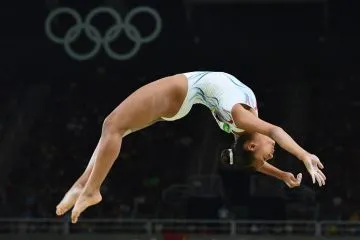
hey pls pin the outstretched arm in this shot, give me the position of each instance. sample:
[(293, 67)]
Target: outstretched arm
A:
[(249, 122), (287, 177), (246, 120)]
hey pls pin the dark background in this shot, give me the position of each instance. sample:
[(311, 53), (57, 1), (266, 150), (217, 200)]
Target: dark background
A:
[(301, 59)]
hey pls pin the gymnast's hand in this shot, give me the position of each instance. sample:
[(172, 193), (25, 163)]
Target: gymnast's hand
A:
[(314, 166), (290, 180)]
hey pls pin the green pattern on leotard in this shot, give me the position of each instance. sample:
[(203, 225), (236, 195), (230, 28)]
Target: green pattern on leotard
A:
[(226, 128)]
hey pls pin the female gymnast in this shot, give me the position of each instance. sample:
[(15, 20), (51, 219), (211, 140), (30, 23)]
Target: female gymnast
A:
[(234, 107)]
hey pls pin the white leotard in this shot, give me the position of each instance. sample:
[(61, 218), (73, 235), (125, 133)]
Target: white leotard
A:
[(218, 91)]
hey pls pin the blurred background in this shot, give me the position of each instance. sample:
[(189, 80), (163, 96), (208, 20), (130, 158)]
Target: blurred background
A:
[(63, 70)]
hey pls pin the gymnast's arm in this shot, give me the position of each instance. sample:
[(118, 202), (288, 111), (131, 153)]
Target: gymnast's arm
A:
[(246, 120), (268, 169), (287, 177)]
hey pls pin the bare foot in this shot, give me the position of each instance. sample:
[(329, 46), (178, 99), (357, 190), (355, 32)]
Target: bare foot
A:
[(69, 200), (84, 201)]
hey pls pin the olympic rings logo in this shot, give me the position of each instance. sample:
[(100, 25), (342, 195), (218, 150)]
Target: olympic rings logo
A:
[(110, 35)]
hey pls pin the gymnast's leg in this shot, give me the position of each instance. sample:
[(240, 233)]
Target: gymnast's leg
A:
[(162, 98), (72, 195)]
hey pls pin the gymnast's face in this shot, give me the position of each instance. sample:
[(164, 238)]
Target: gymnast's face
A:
[(262, 147)]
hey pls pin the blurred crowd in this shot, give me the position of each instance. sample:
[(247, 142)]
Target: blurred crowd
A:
[(60, 145), (63, 137), (304, 79)]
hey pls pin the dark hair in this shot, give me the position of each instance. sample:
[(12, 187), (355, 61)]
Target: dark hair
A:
[(242, 159)]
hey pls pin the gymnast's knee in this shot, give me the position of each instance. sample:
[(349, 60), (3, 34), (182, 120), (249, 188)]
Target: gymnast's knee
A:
[(113, 126)]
